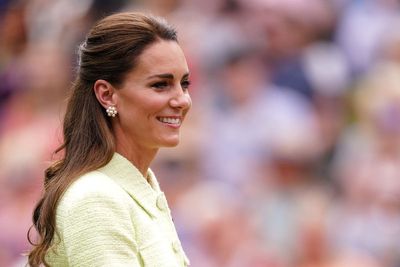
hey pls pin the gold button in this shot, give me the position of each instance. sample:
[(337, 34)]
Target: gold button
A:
[(161, 203)]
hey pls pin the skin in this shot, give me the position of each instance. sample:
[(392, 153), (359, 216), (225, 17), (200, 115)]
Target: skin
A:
[(152, 103)]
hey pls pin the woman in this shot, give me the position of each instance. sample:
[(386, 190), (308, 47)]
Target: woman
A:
[(102, 204)]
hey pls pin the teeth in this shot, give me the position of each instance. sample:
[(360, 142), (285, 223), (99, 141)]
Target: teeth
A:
[(169, 120)]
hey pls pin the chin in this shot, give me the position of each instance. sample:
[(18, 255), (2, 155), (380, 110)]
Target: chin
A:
[(169, 142)]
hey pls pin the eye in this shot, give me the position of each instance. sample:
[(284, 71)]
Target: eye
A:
[(185, 84), (160, 85)]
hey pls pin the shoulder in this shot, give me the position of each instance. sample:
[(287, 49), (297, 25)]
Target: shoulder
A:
[(94, 223), (91, 190)]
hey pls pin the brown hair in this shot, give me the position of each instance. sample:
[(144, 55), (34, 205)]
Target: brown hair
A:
[(111, 49)]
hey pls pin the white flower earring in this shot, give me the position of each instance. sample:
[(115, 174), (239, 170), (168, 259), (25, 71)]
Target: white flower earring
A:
[(111, 111)]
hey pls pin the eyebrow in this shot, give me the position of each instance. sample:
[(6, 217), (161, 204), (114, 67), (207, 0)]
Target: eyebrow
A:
[(167, 76)]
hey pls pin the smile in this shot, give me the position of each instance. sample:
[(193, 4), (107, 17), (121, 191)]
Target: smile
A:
[(170, 120)]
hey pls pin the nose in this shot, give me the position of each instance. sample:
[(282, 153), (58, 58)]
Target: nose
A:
[(181, 99)]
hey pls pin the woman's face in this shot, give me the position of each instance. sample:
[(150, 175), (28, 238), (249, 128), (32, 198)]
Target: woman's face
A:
[(154, 99)]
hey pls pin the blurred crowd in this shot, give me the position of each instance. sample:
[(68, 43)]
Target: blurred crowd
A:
[(290, 156)]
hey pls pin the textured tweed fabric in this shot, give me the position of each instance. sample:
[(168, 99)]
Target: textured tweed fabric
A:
[(114, 217)]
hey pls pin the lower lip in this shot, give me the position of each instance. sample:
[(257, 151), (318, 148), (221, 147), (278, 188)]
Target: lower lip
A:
[(174, 126)]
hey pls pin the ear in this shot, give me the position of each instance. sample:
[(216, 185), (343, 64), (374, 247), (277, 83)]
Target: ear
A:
[(104, 92)]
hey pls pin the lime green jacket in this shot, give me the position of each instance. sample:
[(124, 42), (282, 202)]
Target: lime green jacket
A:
[(114, 217)]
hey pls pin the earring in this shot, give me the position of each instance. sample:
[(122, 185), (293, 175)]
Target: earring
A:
[(111, 111)]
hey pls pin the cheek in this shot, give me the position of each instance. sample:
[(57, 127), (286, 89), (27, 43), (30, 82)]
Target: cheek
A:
[(143, 105), (131, 104), (153, 108), (189, 103), (150, 109)]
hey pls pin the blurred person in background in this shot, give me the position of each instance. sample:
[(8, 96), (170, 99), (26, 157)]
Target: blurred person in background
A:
[(289, 28), (102, 204), (34, 79), (252, 118), (367, 171), (221, 231), (30, 127), (369, 21)]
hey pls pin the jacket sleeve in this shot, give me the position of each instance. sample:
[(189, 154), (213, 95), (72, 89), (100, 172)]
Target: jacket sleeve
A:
[(97, 230)]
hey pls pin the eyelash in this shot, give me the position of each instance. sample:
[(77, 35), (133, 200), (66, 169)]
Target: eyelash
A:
[(186, 84), (161, 85)]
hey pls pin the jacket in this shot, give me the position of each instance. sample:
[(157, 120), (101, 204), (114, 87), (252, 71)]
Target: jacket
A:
[(114, 217)]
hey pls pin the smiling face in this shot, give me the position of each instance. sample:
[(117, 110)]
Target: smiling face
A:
[(153, 100)]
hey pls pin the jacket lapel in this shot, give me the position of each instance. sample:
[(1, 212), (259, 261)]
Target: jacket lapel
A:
[(124, 173)]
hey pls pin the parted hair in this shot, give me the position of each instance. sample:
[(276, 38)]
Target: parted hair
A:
[(111, 49)]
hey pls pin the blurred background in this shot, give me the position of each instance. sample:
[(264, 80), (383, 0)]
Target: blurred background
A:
[(290, 156)]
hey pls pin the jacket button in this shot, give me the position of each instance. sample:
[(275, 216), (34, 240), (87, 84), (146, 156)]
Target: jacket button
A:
[(176, 246), (161, 203)]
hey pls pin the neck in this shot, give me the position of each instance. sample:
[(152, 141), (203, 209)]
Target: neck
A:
[(140, 158), (139, 155)]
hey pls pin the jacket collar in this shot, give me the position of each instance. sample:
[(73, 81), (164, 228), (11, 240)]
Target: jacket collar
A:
[(126, 175)]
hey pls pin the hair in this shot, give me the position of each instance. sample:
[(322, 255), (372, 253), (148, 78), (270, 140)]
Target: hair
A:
[(111, 49)]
